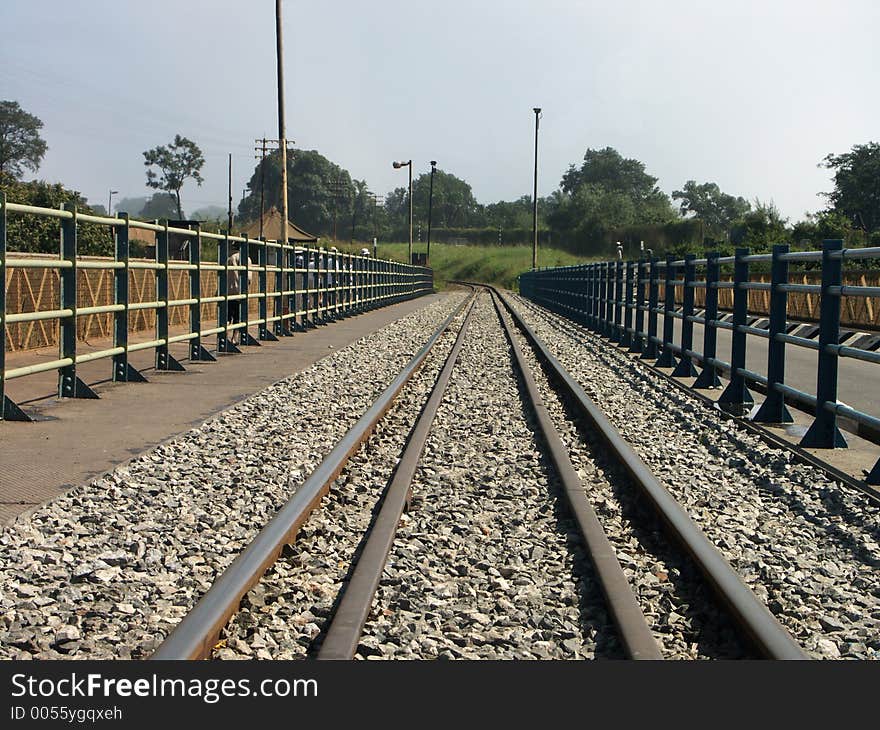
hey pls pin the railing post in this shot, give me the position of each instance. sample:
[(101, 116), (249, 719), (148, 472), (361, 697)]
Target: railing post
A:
[(708, 377), (9, 410), (626, 336), (773, 409), (279, 326), (164, 361), (69, 385), (291, 324), (609, 300), (651, 349), (616, 329), (224, 343), (598, 294), (244, 289), (123, 372), (736, 395), (265, 332), (196, 351), (638, 339), (824, 434), (666, 359), (685, 367)]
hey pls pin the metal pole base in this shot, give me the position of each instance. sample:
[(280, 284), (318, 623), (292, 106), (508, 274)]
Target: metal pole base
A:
[(267, 336), (666, 360), (164, 361), (12, 412), (226, 347), (873, 477), (707, 379), (684, 369), (79, 390), (247, 339), (773, 410), (123, 372), (821, 435), (198, 352), (736, 399)]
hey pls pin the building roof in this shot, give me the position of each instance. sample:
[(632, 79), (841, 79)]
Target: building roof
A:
[(272, 229)]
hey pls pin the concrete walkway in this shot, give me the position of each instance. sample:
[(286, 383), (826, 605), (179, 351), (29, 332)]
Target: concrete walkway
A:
[(74, 440)]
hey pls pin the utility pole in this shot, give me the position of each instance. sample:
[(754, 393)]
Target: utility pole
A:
[(229, 209), (335, 187), (282, 134), (537, 111), (430, 205), (262, 157)]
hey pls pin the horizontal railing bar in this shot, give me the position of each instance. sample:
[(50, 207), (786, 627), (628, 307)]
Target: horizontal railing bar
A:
[(794, 340), (856, 253), (801, 256), (37, 316), (39, 368), (851, 413), (89, 356), (39, 263), (854, 353), (806, 288)]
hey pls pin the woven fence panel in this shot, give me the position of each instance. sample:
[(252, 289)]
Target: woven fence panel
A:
[(34, 290)]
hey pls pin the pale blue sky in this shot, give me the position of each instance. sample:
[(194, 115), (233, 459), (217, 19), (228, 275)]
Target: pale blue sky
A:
[(748, 94)]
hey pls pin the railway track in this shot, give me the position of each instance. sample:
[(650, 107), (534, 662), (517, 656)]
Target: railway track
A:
[(501, 553)]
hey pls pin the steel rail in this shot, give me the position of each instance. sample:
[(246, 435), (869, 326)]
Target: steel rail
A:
[(344, 633), (633, 628), (196, 634), (767, 634)]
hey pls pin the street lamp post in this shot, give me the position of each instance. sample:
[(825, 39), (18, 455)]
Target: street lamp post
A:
[(397, 166), (537, 111), (430, 205)]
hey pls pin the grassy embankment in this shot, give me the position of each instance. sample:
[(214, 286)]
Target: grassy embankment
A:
[(499, 265)]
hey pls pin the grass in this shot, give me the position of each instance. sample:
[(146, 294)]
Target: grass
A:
[(499, 265)]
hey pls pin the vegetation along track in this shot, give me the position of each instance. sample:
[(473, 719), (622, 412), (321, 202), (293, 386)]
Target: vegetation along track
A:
[(500, 555)]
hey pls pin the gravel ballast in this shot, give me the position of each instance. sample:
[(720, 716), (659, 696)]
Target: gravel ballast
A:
[(106, 570), (486, 565), (806, 544)]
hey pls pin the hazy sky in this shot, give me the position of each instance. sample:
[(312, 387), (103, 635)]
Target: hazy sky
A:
[(751, 95)]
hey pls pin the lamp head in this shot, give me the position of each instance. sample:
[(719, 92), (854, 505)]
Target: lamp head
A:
[(536, 109), (433, 163), (396, 165)]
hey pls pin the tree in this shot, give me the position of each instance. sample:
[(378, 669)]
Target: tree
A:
[(159, 206), (856, 191), (453, 206), (177, 162), (606, 192), (760, 228), (608, 169), (37, 234), (716, 209), (20, 143), (317, 191)]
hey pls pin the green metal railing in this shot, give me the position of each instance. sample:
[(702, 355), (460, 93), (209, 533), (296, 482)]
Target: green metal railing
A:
[(295, 287), (605, 296)]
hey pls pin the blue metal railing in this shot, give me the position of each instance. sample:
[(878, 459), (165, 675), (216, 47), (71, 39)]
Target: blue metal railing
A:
[(603, 297)]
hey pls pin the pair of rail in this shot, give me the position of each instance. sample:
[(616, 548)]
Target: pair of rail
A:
[(294, 287), (621, 300), (198, 632)]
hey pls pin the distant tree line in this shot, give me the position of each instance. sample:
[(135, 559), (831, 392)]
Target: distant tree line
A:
[(604, 199)]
